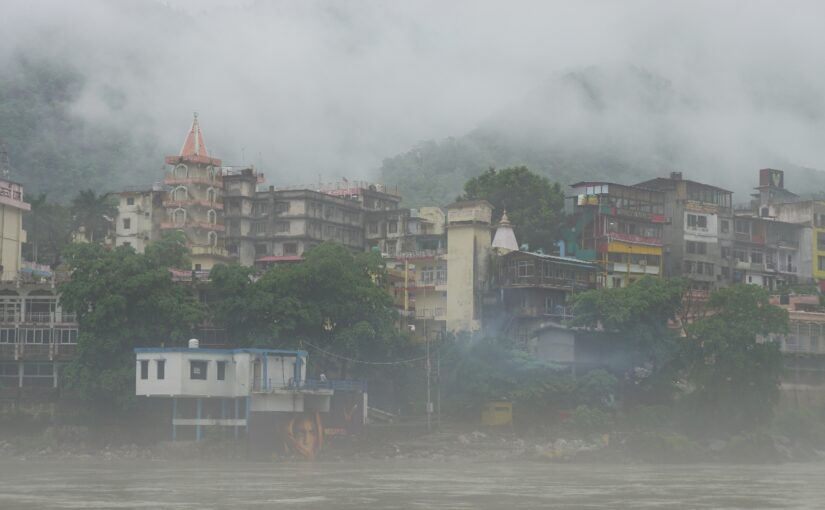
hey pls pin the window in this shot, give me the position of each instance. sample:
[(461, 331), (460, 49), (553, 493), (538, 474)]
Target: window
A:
[(127, 223), (144, 369), (282, 227), (290, 248), (697, 247), (709, 269), (724, 226), (756, 257), (820, 241), (161, 366), (38, 370), (617, 282), (197, 370), (689, 266), (258, 227), (127, 243), (198, 267), (726, 273), (725, 252), (373, 227), (130, 201), (34, 336), (821, 263), (391, 247), (260, 249), (742, 227), (392, 226), (739, 255), (525, 268), (6, 336), (697, 221), (8, 370), (65, 336), (221, 370)]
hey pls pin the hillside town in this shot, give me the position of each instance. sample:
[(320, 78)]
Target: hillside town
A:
[(454, 271)]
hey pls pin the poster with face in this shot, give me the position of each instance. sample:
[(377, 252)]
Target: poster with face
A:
[(304, 435)]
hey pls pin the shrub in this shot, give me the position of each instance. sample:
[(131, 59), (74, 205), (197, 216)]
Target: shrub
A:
[(663, 447), (755, 446)]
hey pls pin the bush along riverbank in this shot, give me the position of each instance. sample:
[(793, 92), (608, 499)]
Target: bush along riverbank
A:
[(444, 446)]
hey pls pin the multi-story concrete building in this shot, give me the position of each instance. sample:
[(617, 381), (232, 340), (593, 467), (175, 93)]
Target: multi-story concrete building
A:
[(619, 227), (775, 235), (803, 349), (699, 235), (12, 208), (194, 203), (139, 214), (534, 290), (36, 339)]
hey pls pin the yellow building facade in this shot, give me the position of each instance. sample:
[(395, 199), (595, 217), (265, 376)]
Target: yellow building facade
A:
[(12, 237)]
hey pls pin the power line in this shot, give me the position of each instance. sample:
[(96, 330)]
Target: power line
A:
[(400, 362)]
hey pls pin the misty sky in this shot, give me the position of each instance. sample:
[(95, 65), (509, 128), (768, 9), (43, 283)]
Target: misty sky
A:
[(333, 87)]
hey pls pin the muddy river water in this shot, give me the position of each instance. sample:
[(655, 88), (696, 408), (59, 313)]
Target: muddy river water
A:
[(51, 484)]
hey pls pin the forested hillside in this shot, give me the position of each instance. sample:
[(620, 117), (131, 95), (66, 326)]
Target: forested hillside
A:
[(621, 124), (49, 147)]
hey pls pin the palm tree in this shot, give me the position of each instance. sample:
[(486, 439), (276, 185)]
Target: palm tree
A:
[(48, 229), (93, 212)]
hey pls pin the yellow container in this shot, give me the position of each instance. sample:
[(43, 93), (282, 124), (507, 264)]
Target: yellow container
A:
[(497, 414)]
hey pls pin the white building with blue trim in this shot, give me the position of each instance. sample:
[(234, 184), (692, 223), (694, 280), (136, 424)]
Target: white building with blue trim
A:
[(227, 387)]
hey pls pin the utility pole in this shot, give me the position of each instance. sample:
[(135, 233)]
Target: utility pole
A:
[(438, 380), (429, 402)]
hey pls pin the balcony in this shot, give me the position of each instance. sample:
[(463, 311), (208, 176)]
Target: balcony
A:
[(633, 239), (175, 204), (15, 317), (549, 282), (749, 238), (178, 181), (38, 351), (193, 224)]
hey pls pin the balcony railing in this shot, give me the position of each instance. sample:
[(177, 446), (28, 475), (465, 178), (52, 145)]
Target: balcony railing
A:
[(193, 224), (172, 203), (14, 317)]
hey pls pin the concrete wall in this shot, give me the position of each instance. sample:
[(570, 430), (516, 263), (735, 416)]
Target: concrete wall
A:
[(469, 235), (11, 239), (238, 381)]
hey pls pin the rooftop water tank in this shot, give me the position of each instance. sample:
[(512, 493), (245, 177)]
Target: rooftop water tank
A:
[(193, 343)]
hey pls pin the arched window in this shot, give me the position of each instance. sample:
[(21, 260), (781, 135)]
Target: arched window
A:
[(179, 193), (181, 171), (179, 216), (211, 195), (213, 238), (212, 172), (212, 216)]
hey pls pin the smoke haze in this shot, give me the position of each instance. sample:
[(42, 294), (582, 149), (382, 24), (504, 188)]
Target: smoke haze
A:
[(304, 88)]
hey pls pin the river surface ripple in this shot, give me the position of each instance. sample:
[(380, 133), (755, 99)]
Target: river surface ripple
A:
[(119, 484)]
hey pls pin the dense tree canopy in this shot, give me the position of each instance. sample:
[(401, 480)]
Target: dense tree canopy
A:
[(333, 299), (123, 300), (735, 376), (534, 204)]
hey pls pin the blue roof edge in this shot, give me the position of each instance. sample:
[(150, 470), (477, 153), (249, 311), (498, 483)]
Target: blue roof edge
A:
[(220, 351)]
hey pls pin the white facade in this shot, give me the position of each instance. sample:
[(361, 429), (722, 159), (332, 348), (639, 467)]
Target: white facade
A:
[(231, 373)]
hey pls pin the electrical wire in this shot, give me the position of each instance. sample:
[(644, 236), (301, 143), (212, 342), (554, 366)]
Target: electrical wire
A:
[(399, 362)]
